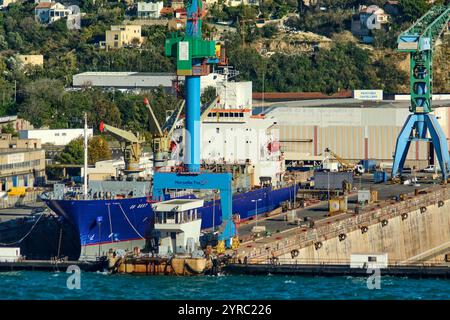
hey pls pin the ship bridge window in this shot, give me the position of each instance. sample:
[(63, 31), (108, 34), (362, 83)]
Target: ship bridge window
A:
[(227, 114), (217, 130), (241, 115), (220, 114)]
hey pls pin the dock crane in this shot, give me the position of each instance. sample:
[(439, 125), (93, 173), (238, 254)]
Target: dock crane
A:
[(161, 140), (194, 57), (419, 41), (346, 166), (130, 145)]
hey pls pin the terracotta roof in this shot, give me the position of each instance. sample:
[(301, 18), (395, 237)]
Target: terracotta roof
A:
[(166, 10), (44, 5), (370, 9)]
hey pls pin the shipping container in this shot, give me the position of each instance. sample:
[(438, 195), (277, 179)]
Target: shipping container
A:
[(331, 180), (380, 177), (369, 165), (9, 254)]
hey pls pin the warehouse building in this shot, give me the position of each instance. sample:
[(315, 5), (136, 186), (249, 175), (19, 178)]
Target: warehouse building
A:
[(57, 137), (352, 129), (137, 81), (22, 162)]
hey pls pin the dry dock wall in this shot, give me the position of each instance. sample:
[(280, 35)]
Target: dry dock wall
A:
[(419, 236)]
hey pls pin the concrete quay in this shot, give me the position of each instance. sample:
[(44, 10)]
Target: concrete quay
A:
[(415, 229)]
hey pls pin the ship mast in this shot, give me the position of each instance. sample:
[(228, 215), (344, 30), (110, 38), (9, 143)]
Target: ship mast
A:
[(85, 156)]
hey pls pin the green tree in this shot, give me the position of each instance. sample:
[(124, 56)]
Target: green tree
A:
[(98, 150), (413, 9), (9, 129), (106, 111), (73, 152), (208, 94)]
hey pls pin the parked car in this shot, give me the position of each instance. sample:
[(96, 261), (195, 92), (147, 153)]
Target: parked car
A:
[(432, 168)]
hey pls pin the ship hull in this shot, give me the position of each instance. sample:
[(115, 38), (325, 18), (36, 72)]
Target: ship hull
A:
[(127, 223), (41, 237)]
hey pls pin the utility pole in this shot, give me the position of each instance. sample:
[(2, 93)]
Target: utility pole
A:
[(256, 211), (85, 182)]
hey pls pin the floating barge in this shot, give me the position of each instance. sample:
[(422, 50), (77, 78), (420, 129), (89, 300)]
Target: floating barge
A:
[(415, 271), (51, 265)]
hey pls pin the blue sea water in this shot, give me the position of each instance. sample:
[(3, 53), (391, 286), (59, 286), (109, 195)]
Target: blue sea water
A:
[(47, 285)]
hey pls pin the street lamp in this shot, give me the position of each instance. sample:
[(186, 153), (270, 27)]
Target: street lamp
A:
[(256, 211)]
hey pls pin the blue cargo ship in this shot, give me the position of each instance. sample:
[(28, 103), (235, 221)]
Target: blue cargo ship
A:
[(125, 223)]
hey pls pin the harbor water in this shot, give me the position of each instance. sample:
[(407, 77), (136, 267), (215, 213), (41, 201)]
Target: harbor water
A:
[(48, 285)]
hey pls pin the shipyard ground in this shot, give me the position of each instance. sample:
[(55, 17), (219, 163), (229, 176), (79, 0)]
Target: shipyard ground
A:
[(21, 211), (319, 212), (419, 239)]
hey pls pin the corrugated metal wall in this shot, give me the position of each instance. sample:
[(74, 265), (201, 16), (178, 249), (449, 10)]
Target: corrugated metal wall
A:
[(347, 141)]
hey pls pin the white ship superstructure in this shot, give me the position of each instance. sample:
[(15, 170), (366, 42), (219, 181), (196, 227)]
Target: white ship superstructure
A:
[(232, 135)]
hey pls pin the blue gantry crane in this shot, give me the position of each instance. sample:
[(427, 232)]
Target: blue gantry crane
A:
[(419, 40), (194, 57)]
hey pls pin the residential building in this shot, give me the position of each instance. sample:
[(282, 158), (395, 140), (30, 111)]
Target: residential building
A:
[(15, 122), (22, 162), (177, 4), (6, 3), (7, 141), (123, 36), (149, 10), (166, 12), (309, 3), (31, 59), (57, 137), (180, 13), (368, 19), (49, 12), (176, 24), (236, 3)]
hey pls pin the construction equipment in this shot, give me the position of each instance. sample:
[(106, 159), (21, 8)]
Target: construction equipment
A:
[(130, 145), (162, 139), (194, 56), (337, 205), (419, 41), (345, 165)]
